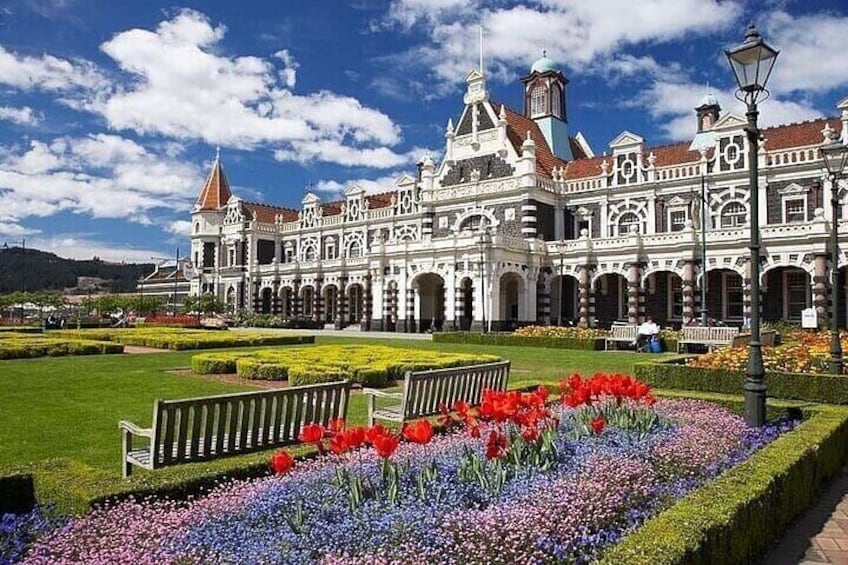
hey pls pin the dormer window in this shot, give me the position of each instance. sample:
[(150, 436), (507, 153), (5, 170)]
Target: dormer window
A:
[(627, 221), (538, 97), (677, 219)]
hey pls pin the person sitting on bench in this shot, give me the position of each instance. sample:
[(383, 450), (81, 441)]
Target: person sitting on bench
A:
[(647, 332)]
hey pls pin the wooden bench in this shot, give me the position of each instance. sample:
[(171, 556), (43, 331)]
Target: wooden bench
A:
[(621, 334), (711, 336), (199, 429), (424, 391), (767, 338)]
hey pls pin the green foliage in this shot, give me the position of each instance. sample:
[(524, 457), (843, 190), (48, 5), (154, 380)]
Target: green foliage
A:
[(107, 304), (15, 345), (734, 518), (370, 365), (183, 338), (829, 389), (519, 341), (206, 303)]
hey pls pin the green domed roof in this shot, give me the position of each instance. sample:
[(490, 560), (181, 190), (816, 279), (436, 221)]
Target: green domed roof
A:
[(543, 64)]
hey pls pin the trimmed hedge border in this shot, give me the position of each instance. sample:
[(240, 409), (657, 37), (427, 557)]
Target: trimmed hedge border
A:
[(671, 373), (734, 518), (180, 339), (510, 340)]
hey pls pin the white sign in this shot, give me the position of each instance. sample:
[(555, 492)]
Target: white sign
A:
[(809, 318)]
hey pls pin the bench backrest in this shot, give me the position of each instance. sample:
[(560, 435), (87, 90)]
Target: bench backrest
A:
[(423, 391), (623, 332), (199, 428), (710, 334)]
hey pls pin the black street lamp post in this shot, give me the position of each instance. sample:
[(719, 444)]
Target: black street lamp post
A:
[(752, 63), (23, 272), (834, 155), (704, 207)]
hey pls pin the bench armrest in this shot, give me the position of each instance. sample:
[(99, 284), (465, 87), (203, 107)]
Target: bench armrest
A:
[(135, 430), (381, 393)]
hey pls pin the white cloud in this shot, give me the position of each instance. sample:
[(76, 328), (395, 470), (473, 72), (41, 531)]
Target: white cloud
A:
[(49, 73), (334, 152), (179, 227), (23, 116), (334, 189), (73, 246), (103, 176), (580, 34), (810, 51), (183, 87)]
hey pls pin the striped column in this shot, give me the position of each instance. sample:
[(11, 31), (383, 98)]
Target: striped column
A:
[(528, 219), (257, 297), (410, 310), (459, 306), (543, 300), (341, 304), (427, 223), (317, 300), (687, 287), (635, 298), (822, 290), (275, 299), (388, 312), (585, 300), (367, 300), (295, 301)]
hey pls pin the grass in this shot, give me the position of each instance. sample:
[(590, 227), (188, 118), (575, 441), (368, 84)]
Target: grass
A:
[(64, 411)]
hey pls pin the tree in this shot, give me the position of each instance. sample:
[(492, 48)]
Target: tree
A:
[(206, 303)]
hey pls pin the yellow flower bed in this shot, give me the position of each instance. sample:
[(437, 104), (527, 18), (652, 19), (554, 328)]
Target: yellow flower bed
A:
[(370, 365), (557, 331), (803, 353), (181, 338), (27, 345)]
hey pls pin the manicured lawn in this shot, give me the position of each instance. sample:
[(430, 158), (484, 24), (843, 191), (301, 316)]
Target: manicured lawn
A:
[(70, 407)]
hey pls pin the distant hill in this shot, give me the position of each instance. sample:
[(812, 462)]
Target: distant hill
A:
[(41, 270)]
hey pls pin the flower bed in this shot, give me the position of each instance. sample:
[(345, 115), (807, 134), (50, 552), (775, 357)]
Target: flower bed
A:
[(180, 321), (801, 352), (370, 365), (498, 339), (15, 345), (180, 338), (517, 482)]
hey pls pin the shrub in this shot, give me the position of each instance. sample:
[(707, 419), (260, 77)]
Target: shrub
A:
[(368, 365), (672, 374), (182, 339), (22, 346), (586, 344)]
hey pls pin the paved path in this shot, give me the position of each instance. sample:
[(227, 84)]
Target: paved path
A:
[(821, 535), (343, 333)]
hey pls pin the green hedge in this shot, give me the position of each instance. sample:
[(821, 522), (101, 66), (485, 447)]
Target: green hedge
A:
[(519, 341), (182, 339), (734, 518), (828, 389), (27, 346)]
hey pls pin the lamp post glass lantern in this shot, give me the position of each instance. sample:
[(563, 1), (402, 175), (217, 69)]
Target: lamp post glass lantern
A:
[(752, 63), (834, 157)]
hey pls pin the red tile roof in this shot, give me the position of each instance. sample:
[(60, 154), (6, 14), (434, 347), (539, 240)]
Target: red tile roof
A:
[(380, 200), (216, 190), (799, 134), (517, 127), (267, 214)]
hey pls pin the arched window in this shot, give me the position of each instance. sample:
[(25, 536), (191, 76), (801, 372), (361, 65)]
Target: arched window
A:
[(355, 250), (329, 248), (734, 214), (626, 220), (309, 253), (556, 105), (474, 223), (537, 101)]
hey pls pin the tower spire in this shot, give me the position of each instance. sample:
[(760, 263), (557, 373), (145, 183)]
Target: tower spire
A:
[(216, 190)]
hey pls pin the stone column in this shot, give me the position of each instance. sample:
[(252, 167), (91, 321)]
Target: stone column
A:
[(366, 304), (275, 298), (256, 297), (543, 300), (688, 290), (635, 298), (317, 300), (822, 286), (427, 223), (388, 311), (410, 310), (528, 219), (295, 300), (585, 300), (459, 306), (341, 304)]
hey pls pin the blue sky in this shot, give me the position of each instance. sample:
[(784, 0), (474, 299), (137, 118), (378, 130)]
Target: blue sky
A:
[(110, 111)]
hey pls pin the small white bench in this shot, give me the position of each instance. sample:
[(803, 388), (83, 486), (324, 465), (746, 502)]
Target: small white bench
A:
[(621, 334), (424, 391), (710, 336), (200, 429)]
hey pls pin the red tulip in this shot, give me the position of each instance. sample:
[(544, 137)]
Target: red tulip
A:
[(385, 445), (339, 444), (495, 445), (530, 434), (281, 462), (355, 436), (420, 432), (311, 433), (336, 426), (374, 431), (598, 425)]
